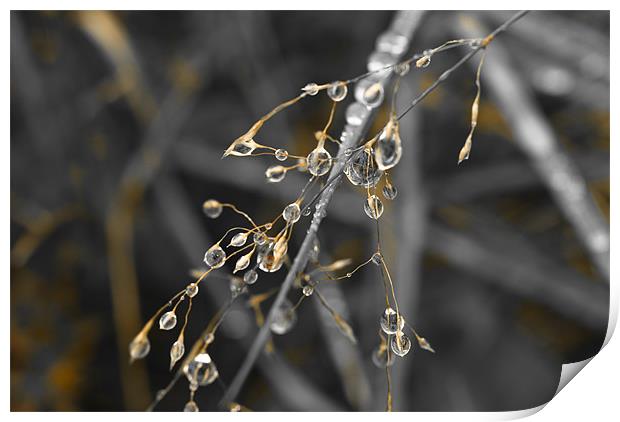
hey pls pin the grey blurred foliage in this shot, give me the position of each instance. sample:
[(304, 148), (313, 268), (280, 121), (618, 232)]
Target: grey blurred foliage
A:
[(118, 123)]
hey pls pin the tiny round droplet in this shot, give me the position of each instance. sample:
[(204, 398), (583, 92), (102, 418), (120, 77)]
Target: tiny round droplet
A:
[(388, 322), (311, 89), (212, 208), (308, 290), (389, 191), (401, 69), (215, 256), (319, 161), (337, 91), (281, 154), (191, 406), (373, 95), (424, 61), (401, 344), (201, 370), (306, 211), (348, 152), (139, 347), (250, 277), (373, 207), (377, 259), (260, 238), (176, 352), (191, 290), (291, 213), (275, 174), (283, 319), (168, 321), (239, 239)]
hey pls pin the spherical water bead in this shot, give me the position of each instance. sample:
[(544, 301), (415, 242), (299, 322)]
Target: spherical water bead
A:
[(389, 192), (337, 91), (239, 239), (176, 352), (191, 290), (260, 238), (212, 208), (381, 358), (356, 114), (237, 286), (281, 154), (388, 148), (401, 344), (267, 260), (215, 256), (250, 277), (168, 321), (291, 213), (401, 69), (306, 211), (424, 61), (373, 207), (319, 161), (377, 259), (369, 93), (275, 174), (311, 89), (308, 290), (139, 347), (191, 406), (362, 170), (388, 322), (348, 152), (284, 318), (201, 370)]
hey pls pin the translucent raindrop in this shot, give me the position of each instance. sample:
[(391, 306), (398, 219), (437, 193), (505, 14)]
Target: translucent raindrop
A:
[(373, 207), (284, 318), (201, 370), (319, 161), (191, 290), (362, 170), (348, 152), (168, 321), (311, 89), (337, 91), (191, 406), (237, 286), (308, 290), (306, 211), (250, 277), (269, 260), (212, 208), (388, 148), (291, 213), (139, 347), (389, 191), (381, 358), (215, 256), (281, 154), (388, 322), (377, 259), (260, 238), (369, 93), (401, 344), (424, 61), (401, 69), (176, 352), (275, 174), (239, 239)]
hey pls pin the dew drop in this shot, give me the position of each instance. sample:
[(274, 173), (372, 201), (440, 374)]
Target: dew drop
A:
[(377, 259), (389, 191), (239, 239), (176, 352), (388, 322), (369, 93), (311, 89), (275, 174), (212, 208), (306, 211), (401, 69), (284, 318), (291, 213), (401, 344), (388, 148), (337, 91), (201, 370), (362, 170), (319, 161), (308, 290), (373, 207), (191, 290), (260, 238), (139, 347), (168, 321), (250, 277), (191, 406), (215, 256), (281, 154)]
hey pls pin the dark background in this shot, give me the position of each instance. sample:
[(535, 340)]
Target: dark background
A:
[(118, 122)]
